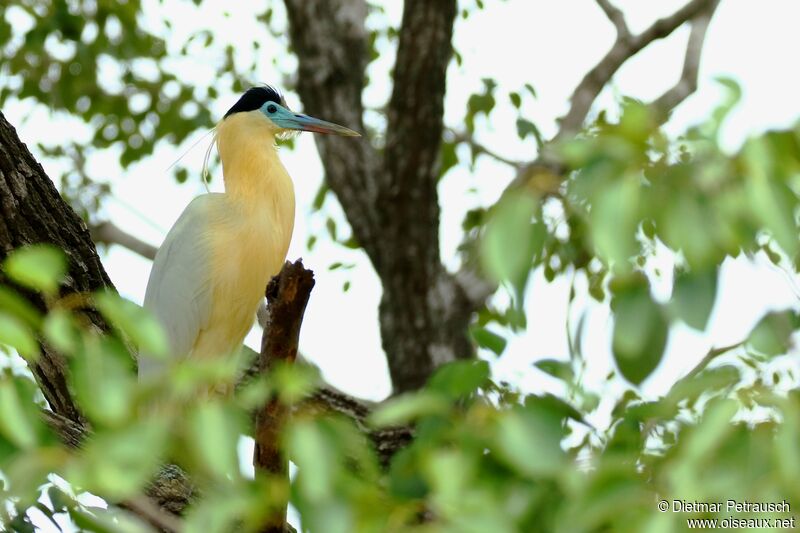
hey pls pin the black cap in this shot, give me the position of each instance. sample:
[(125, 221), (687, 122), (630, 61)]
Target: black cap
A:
[(254, 98)]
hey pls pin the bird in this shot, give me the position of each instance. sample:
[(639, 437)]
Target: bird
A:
[(209, 275)]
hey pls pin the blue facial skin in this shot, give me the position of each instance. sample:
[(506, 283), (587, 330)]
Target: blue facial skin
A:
[(285, 118)]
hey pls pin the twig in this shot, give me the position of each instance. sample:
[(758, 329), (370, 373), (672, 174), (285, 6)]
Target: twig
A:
[(109, 233), (712, 354), (287, 296), (464, 137), (616, 17), (691, 64)]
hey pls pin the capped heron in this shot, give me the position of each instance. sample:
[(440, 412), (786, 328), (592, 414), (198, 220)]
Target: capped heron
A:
[(210, 273)]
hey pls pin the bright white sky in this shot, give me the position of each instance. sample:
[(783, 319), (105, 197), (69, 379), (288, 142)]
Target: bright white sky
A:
[(548, 44)]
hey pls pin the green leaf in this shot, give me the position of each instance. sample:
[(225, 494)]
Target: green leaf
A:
[(448, 158), (554, 405), (681, 217), (449, 473), (19, 417), (293, 382), (181, 174), (772, 333), (330, 225), (488, 339), (62, 331), (526, 127), (13, 303), (706, 437), (59, 499), (771, 201), (407, 408), (530, 440), (637, 122), (319, 198), (117, 464), (614, 219), (135, 322), (733, 95), (19, 336), (109, 400), (558, 369), (459, 378), (39, 267), (214, 435), (640, 330), (693, 296), (480, 103), (309, 449), (21, 524), (511, 240), (312, 240)]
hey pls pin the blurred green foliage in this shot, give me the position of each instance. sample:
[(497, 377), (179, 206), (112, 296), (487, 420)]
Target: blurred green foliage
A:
[(485, 456)]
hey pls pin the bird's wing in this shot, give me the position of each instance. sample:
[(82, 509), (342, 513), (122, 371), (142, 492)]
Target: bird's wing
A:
[(179, 290)]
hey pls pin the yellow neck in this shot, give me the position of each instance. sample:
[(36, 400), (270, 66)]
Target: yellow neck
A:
[(253, 174)]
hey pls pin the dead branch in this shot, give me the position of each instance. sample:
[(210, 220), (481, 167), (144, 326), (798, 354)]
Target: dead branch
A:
[(287, 296)]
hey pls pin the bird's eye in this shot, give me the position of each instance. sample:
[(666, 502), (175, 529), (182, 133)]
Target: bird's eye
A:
[(271, 108)]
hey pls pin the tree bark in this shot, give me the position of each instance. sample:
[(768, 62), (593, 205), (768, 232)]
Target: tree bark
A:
[(32, 211), (287, 297)]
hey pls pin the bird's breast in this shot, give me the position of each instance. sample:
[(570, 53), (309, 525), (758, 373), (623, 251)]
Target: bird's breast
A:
[(247, 249), (253, 251)]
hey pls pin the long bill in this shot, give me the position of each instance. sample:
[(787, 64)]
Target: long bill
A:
[(306, 123)]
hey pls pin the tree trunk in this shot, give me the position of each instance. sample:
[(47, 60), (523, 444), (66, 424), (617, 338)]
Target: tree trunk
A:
[(32, 211), (390, 197)]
